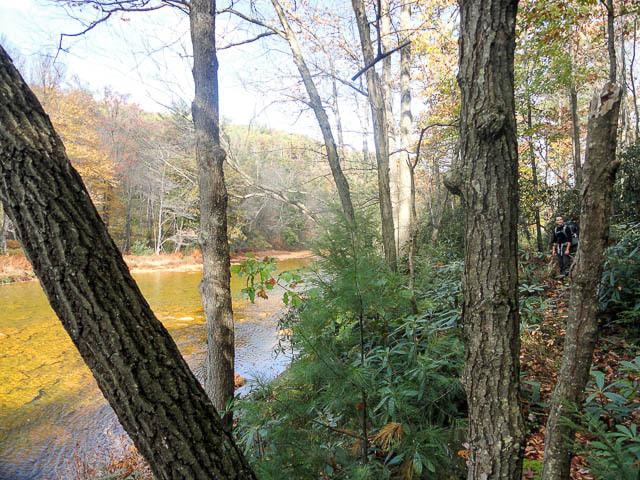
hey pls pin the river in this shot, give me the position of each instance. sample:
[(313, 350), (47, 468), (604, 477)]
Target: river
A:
[(51, 410)]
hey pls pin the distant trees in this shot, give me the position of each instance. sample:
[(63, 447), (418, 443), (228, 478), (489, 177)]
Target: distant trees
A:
[(133, 358)]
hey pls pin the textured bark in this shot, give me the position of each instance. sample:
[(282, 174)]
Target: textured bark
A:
[(133, 358), (486, 179), (611, 45), (216, 278), (320, 113), (582, 323), (380, 134), (406, 200)]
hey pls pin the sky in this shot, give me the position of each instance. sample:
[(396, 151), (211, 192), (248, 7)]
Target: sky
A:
[(129, 55)]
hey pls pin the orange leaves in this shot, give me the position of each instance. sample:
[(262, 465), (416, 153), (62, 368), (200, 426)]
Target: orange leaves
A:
[(77, 119)]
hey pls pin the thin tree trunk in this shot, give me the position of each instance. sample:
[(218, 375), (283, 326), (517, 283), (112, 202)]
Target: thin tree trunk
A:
[(534, 174), (3, 231), (575, 135), (160, 212), (611, 45), (135, 362), (126, 241), (486, 179), (336, 110), (582, 323), (406, 173), (633, 82), (381, 138), (315, 102), (216, 278)]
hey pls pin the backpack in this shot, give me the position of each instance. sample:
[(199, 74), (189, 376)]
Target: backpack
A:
[(574, 232)]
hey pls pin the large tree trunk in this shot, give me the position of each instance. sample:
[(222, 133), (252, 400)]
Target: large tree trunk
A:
[(380, 134), (131, 355), (315, 102), (216, 278), (582, 323), (486, 179)]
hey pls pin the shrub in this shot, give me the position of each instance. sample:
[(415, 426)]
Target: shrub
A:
[(619, 293), (361, 354)]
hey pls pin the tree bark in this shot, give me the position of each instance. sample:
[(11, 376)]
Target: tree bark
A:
[(575, 135), (126, 240), (131, 355), (534, 174), (3, 231), (486, 179), (633, 82), (320, 113), (216, 278), (611, 46), (582, 323), (380, 134), (406, 199)]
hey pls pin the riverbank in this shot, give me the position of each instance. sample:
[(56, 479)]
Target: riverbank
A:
[(14, 267)]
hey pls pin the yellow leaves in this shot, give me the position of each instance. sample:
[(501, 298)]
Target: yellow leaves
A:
[(388, 435), (77, 119)]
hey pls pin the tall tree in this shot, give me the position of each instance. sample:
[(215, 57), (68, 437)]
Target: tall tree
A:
[(333, 156), (380, 132), (486, 179), (216, 278), (582, 322), (405, 200), (135, 362)]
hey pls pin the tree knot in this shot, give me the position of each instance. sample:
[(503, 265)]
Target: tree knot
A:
[(491, 122)]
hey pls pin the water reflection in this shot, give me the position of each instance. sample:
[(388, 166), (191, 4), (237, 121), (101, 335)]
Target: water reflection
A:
[(50, 405)]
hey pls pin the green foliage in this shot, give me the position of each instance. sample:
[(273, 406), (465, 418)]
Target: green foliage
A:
[(260, 279), (620, 285), (627, 187), (360, 349), (141, 248), (614, 451)]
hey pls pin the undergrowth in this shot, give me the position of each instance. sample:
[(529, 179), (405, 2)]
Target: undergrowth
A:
[(373, 390)]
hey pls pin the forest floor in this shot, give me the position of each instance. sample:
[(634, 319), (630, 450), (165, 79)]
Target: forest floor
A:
[(540, 358), (15, 267)]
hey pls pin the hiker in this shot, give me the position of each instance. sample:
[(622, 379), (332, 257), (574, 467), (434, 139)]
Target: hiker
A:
[(564, 243)]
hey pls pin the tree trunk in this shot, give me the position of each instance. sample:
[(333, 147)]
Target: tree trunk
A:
[(534, 175), (380, 134), (131, 355), (406, 200), (126, 241), (3, 231), (315, 102), (582, 323), (611, 45), (486, 179), (575, 135), (216, 278), (633, 82)]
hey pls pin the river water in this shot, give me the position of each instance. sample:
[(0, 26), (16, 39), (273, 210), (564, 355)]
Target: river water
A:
[(51, 410)]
